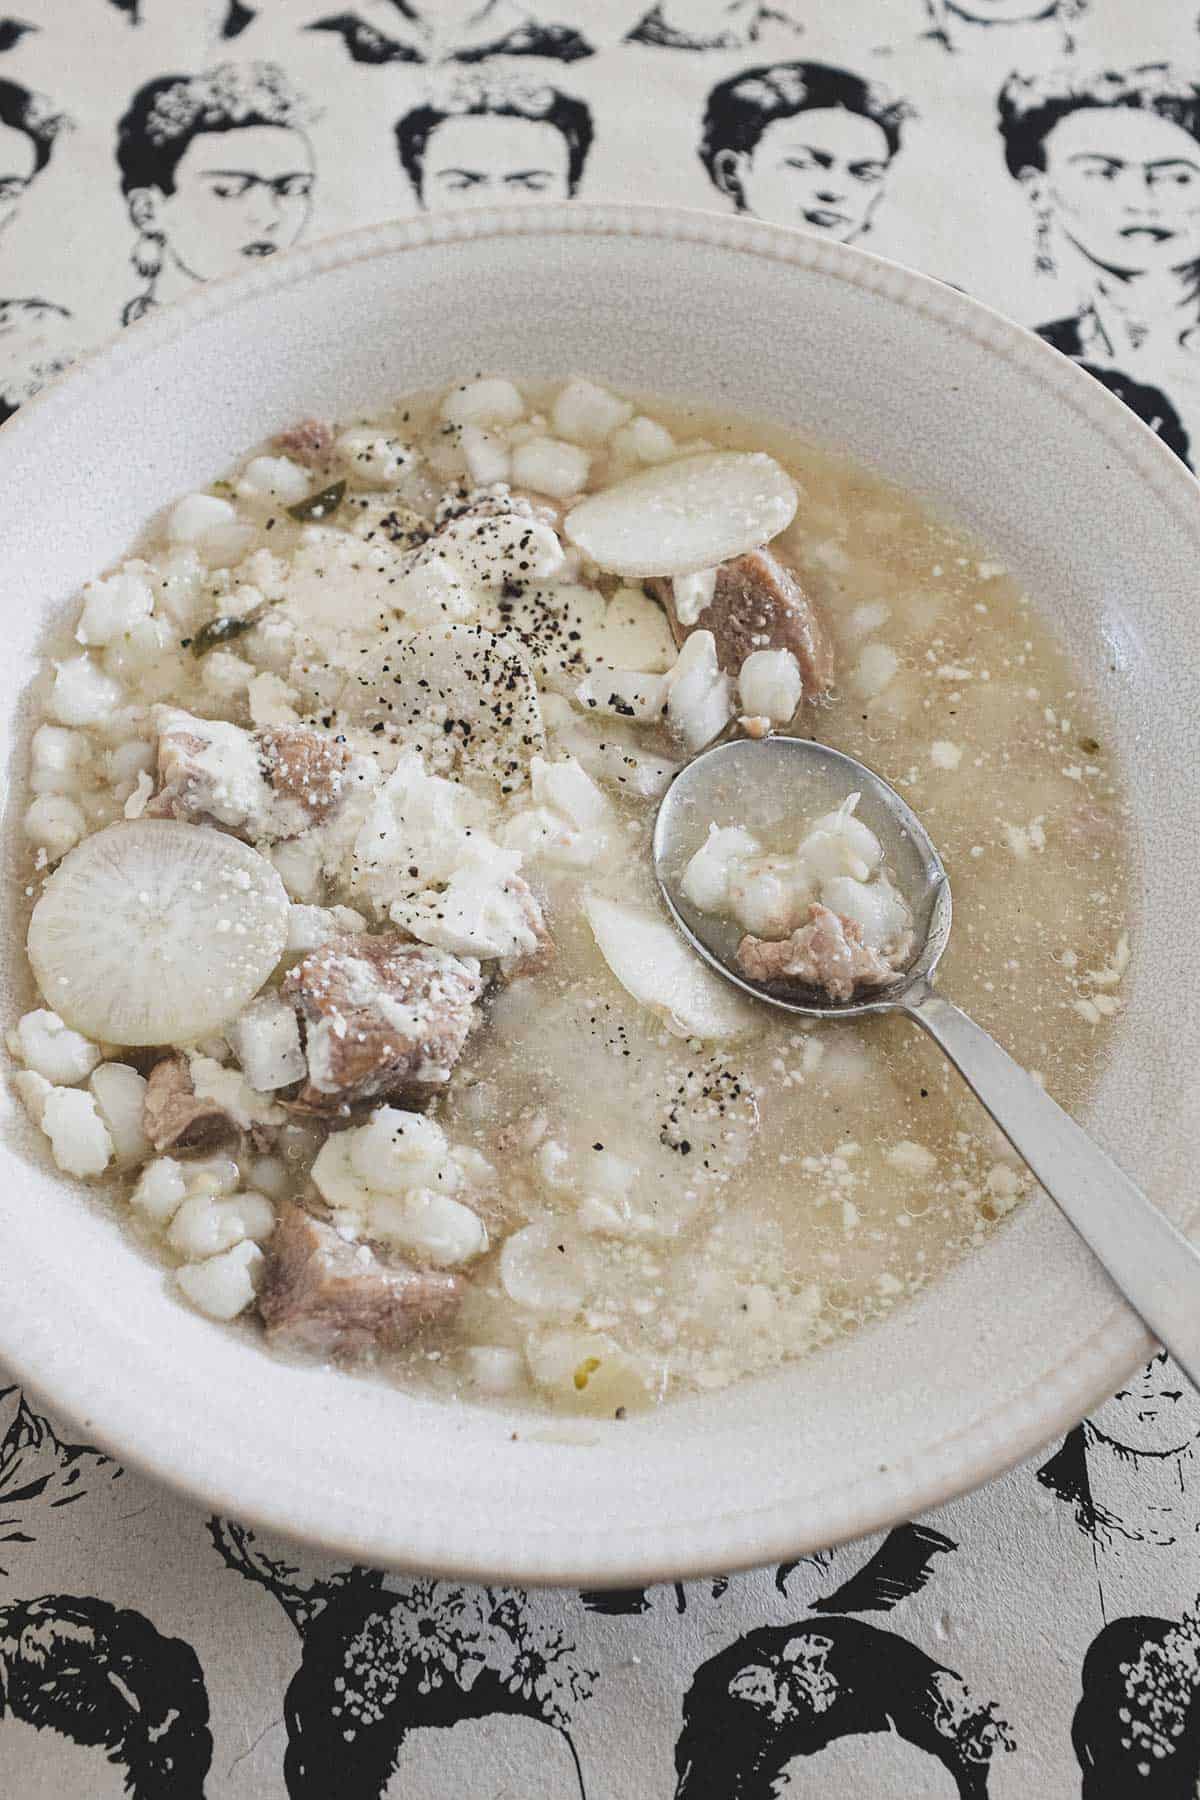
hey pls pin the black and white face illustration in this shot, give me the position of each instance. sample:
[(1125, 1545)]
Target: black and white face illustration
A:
[(787, 1708), (1113, 164), (1002, 12), (78, 1672), (884, 1763), (706, 24), (224, 18), (1124, 186), (418, 1687), (28, 128), (494, 149), (234, 196), (801, 144), (40, 1475), (986, 24), (463, 31), (217, 170), (1158, 1414), (1136, 1729)]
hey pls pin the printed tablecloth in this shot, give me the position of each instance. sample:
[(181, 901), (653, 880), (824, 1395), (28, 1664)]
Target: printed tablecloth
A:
[(1038, 1640)]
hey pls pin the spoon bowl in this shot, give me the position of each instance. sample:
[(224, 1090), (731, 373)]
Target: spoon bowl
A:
[(767, 782), (776, 782)]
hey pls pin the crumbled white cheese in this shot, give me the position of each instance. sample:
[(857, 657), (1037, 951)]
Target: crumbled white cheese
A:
[(692, 593), (112, 607), (497, 549), (265, 1038), (433, 592), (271, 701), (82, 694), (570, 823), (374, 458), (225, 675), (945, 755), (309, 926)]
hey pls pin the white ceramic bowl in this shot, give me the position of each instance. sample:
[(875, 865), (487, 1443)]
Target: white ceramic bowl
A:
[(1008, 437)]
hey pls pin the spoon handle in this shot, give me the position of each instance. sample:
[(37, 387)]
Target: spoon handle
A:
[(1152, 1263)]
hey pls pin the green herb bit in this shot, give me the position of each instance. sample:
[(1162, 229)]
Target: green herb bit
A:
[(319, 506)]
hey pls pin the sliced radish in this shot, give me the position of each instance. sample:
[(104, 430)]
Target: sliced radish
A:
[(652, 962), (680, 516), (157, 932)]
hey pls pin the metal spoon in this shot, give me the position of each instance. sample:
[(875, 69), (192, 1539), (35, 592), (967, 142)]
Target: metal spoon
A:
[(743, 782)]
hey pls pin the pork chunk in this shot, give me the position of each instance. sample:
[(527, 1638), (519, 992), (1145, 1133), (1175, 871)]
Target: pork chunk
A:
[(758, 604), (264, 785), (383, 1016), (826, 952), (174, 1117), (309, 442), (327, 1297)]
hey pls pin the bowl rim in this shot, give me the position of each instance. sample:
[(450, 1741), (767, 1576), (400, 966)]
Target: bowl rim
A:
[(954, 1464)]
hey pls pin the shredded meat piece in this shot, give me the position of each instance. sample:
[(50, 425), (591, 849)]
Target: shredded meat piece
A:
[(758, 604), (825, 952), (528, 962), (174, 1118), (304, 765), (264, 785), (329, 1297), (383, 1016), (309, 442)]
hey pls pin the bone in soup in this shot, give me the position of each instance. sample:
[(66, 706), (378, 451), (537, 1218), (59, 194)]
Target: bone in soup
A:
[(354, 986)]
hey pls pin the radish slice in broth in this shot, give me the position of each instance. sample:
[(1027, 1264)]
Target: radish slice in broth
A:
[(685, 515)]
